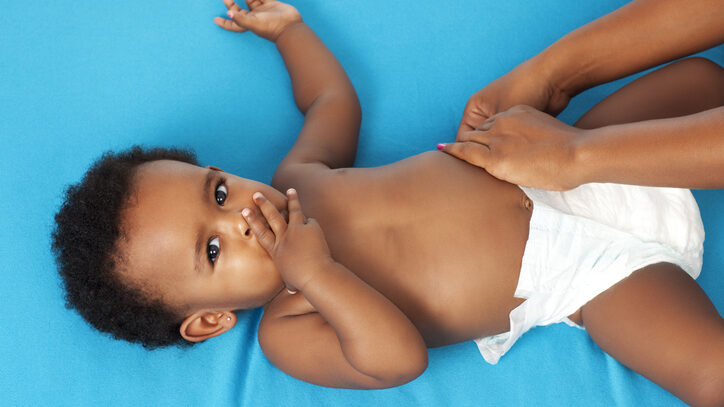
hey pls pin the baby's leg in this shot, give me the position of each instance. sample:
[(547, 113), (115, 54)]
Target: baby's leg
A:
[(658, 321), (661, 324), (684, 87)]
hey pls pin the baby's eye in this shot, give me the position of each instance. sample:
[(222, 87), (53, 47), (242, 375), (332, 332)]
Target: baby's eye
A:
[(213, 249), (220, 194)]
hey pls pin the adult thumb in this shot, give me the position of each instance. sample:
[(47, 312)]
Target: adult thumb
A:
[(474, 153)]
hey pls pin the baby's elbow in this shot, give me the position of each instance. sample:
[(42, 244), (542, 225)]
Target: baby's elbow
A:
[(416, 367), (412, 362), (409, 368)]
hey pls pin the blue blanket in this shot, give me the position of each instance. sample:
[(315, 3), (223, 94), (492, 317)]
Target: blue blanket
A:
[(78, 78)]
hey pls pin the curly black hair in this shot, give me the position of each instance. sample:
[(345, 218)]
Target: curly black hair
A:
[(85, 244)]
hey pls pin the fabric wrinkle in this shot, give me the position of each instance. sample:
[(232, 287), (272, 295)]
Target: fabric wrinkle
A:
[(582, 242)]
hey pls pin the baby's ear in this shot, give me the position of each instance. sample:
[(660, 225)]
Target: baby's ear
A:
[(211, 167), (204, 325)]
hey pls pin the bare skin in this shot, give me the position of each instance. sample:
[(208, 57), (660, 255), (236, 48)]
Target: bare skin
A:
[(513, 144), (674, 142), (379, 263), (414, 226)]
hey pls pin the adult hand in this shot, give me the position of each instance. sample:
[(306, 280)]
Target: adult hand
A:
[(527, 84), (523, 146)]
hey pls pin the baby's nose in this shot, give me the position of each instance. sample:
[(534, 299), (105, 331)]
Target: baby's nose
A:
[(242, 226)]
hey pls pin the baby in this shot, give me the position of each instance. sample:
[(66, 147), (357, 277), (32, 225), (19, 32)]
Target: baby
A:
[(424, 252)]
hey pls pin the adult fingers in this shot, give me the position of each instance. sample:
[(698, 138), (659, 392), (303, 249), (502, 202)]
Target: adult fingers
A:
[(271, 213), (471, 120), (489, 122), (475, 153), (264, 236), (464, 127), (478, 136), (472, 116), (478, 109), (294, 207), (485, 126)]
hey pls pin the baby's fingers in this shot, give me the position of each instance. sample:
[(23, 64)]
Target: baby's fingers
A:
[(229, 25), (252, 4), (264, 236), (294, 207), (271, 213), (231, 5)]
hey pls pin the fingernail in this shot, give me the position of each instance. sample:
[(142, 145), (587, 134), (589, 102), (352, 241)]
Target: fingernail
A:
[(291, 191), (257, 195), (441, 146), (230, 14), (291, 291), (245, 212)]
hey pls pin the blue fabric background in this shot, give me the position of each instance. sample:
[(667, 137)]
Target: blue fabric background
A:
[(80, 77)]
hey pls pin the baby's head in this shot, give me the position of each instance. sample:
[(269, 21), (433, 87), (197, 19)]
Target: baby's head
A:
[(153, 249)]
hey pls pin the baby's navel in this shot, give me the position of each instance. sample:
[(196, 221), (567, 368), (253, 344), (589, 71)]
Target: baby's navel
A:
[(527, 203)]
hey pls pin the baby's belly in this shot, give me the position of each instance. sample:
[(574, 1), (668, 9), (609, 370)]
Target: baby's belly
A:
[(450, 258), (480, 242)]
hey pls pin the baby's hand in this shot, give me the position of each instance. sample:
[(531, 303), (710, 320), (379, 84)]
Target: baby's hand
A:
[(298, 249), (266, 18)]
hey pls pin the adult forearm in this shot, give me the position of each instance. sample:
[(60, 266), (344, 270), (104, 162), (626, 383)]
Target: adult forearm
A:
[(635, 37), (686, 152), (312, 67), (372, 331)]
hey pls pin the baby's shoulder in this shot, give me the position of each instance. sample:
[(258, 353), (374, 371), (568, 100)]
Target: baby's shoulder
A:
[(320, 188), (304, 176)]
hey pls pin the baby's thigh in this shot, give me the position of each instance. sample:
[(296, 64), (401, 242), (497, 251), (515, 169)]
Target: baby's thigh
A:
[(681, 88), (661, 324)]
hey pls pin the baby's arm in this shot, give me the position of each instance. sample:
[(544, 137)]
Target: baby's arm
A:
[(337, 331), (322, 91), (327, 98)]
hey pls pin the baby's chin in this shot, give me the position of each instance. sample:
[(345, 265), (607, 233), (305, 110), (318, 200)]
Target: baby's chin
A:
[(265, 301)]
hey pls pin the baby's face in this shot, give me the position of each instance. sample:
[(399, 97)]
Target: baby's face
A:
[(186, 237)]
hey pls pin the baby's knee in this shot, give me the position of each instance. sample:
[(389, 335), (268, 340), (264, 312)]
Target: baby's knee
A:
[(708, 75), (704, 383), (698, 65)]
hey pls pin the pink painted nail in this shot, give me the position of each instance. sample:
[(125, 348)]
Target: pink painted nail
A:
[(441, 146), (230, 14)]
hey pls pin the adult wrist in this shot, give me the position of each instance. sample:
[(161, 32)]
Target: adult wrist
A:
[(583, 158), (564, 72)]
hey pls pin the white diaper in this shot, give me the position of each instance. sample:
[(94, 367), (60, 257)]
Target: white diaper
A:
[(582, 242)]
